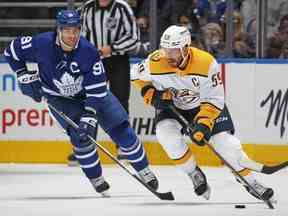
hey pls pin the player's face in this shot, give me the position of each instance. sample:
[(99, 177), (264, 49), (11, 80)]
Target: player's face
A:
[(70, 35), (174, 56)]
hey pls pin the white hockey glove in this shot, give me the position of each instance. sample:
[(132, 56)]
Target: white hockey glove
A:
[(29, 84)]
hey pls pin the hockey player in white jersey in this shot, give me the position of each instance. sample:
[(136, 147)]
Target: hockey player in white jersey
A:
[(189, 79)]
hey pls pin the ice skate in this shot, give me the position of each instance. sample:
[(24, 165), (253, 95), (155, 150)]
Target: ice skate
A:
[(101, 186), (264, 192), (201, 187), (149, 178)]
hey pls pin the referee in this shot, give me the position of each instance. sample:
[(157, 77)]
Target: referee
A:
[(111, 26)]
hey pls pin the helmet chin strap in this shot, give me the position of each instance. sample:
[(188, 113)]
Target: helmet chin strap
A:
[(65, 45), (183, 63)]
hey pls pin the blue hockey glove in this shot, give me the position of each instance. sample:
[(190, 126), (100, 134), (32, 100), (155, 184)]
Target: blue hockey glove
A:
[(156, 98), (87, 126), (200, 134), (30, 85)]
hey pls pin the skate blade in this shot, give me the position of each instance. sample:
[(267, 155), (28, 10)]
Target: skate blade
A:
[(105, 194), (207, 193), (273, 200)]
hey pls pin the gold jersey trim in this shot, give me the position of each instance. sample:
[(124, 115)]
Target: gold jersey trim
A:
[(199, 63)]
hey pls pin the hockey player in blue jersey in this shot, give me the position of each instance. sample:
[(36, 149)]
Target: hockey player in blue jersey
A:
[(71, 77)]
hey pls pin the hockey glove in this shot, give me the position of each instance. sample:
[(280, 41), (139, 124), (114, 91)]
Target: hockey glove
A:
[(156, 98), (200, 134), (30, 85), (87, 126), (203, 123)]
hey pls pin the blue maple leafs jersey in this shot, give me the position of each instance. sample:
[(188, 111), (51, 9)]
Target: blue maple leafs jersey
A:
[(78, 74)]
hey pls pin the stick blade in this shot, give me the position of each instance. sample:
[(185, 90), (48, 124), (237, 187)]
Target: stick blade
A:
[(273, 169)]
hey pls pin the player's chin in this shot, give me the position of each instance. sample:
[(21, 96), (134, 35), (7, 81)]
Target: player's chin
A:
[(71, 43)]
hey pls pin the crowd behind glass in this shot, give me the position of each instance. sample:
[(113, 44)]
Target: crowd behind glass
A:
[(206, 19)]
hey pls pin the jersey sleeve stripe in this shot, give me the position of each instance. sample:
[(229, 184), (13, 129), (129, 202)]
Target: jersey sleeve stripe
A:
[(51, 92), (161, 73), (98, 85), (13, 51), (97, 90), (6, 53), (97, 95), (213, 105)]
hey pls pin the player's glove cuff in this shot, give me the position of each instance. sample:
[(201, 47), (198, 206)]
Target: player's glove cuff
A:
[(156, 98), (148, 93), (30, 84), (87, 127), (89, 118)]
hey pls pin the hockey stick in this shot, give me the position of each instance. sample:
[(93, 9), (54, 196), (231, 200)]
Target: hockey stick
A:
[(162, 196), (273, 169), (184, 121), (261, 168)]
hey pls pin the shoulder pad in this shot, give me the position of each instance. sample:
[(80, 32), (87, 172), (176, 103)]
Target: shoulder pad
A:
[(158, 64), (200, 62)]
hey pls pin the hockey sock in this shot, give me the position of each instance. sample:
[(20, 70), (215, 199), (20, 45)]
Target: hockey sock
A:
[(89, 161), (186, 163), (130, 145), (87, 156)]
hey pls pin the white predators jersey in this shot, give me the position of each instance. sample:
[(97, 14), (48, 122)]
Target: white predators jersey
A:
[(200, 81)]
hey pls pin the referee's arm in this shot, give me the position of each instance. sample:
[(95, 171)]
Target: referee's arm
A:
[(129, 40), (84, 30)]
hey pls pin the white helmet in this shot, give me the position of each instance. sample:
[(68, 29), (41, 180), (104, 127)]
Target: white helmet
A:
[(175, 37)]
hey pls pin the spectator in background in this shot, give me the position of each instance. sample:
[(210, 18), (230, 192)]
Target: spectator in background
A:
[(166, 14), (275, 10), (251, 35), (283, 26), (195, 33), (143, 44), (191, 15), (241, 48), (274, 49), (248, 11), (213, 39), (277, 40), (284, 51), (209, 10)]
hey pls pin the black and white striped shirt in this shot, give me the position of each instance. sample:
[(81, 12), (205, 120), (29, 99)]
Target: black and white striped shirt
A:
[(114, 25)]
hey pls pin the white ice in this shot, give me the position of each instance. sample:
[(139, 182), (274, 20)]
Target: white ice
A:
[(52, 190)]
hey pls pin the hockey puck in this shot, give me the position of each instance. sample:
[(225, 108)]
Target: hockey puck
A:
[(240, 206)]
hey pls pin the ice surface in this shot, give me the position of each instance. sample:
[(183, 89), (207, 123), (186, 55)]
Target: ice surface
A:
[(52, 190)]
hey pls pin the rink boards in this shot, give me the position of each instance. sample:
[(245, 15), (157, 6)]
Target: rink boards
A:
[(256, 93)]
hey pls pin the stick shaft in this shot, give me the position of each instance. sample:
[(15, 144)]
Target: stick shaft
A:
[(162, 196)]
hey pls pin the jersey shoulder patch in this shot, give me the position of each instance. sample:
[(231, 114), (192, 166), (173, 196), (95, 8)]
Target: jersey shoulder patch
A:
[(158, 64), (200, 62)]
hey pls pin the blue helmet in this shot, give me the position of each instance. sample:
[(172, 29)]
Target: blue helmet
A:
[(68, 18)]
